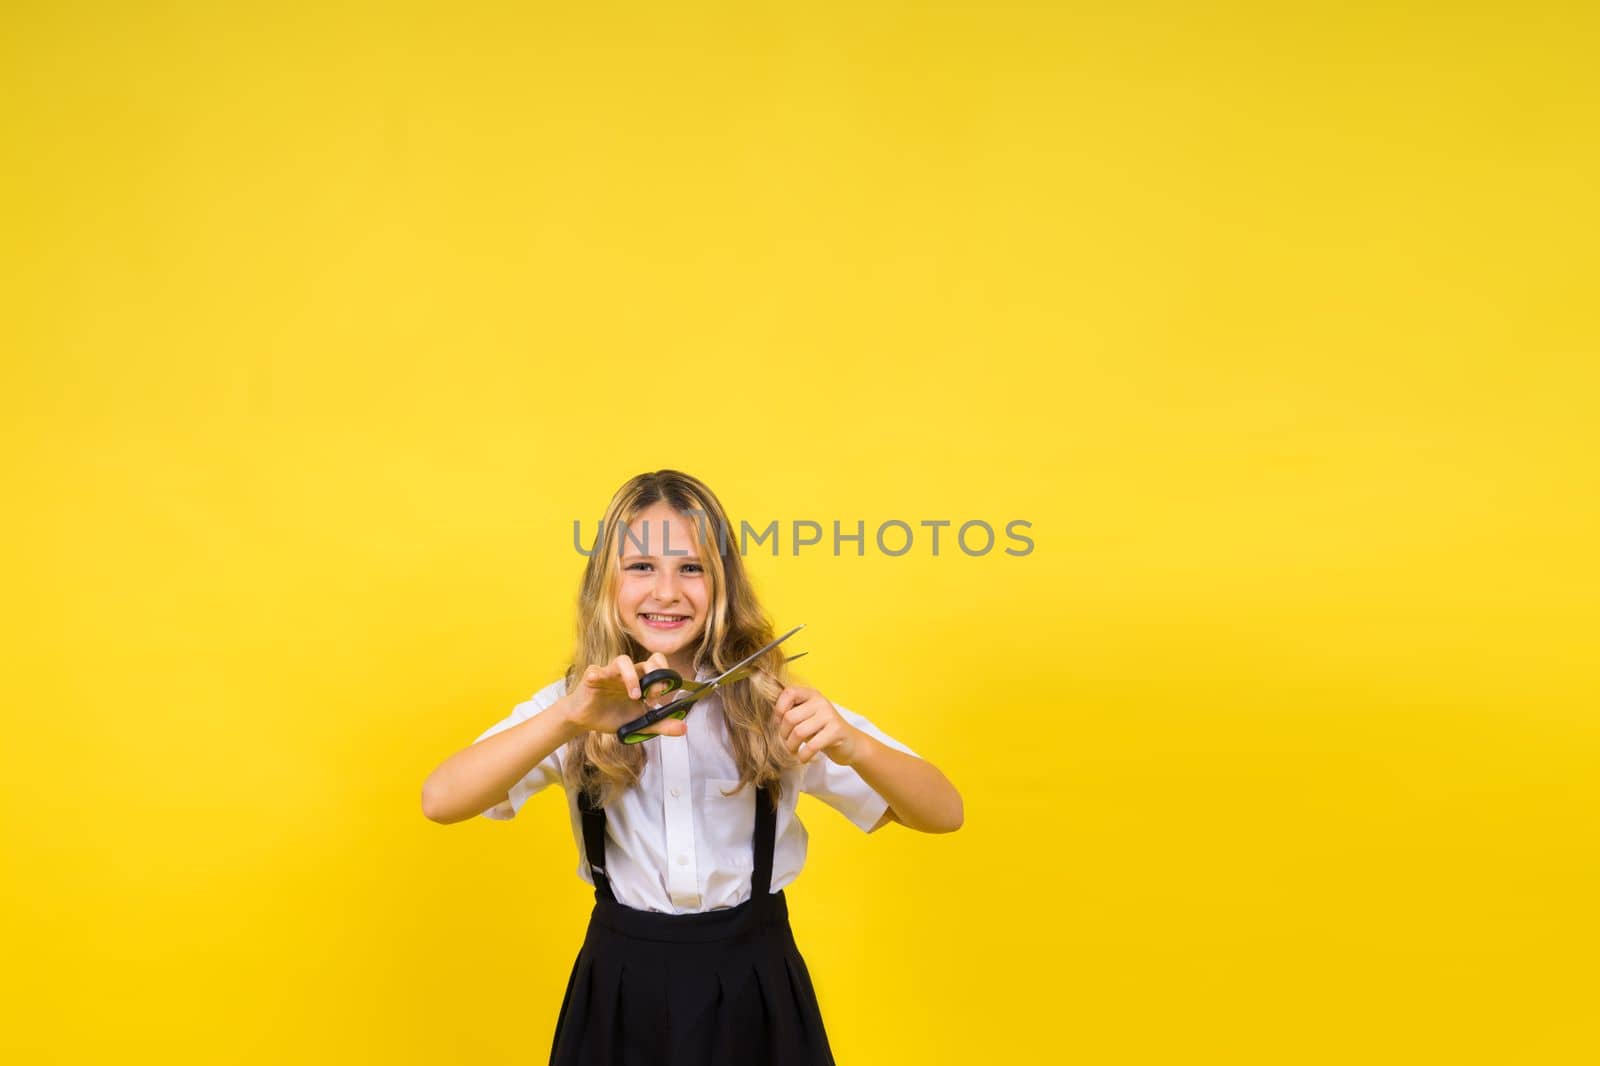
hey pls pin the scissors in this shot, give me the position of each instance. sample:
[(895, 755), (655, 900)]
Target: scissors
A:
[(694, 691)]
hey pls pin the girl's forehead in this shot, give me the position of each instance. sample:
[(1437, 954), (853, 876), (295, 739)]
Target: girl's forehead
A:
[(658, 531)]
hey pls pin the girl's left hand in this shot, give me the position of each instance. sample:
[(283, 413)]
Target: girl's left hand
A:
[(806, 717)]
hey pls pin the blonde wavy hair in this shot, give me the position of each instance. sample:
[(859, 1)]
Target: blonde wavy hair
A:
[(736, 625)]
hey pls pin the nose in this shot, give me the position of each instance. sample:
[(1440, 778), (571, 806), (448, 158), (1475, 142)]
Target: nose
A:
[(666, 586)]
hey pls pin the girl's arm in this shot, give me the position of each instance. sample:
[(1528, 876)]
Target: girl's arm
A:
[(918, 794), (479, 776)]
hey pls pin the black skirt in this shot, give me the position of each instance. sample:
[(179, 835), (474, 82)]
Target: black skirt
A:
[(723, 986)]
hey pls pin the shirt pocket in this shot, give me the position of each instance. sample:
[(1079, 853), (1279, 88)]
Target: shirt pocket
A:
[(727, 824)]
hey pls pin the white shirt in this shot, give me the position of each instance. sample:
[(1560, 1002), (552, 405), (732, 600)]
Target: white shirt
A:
[(674, 842)]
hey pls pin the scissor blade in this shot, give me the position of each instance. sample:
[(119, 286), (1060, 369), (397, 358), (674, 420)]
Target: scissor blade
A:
[(739, 673), (753, 657)]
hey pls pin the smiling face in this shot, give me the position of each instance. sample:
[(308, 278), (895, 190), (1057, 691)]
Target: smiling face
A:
[(663, 598)]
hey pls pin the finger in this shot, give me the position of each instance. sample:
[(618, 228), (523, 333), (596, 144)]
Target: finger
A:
[(780, 707), (809, 729), (786, 699), (789, 719), (629, 675), (804, 728), (823, 738), (795, 715), (658, 661), (810, 733)]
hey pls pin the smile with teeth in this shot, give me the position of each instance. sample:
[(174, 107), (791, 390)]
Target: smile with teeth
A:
[(665, 621)]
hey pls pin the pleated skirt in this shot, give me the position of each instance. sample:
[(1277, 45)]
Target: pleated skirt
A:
[(727, 986)]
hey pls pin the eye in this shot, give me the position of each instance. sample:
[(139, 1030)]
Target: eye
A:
[(696, 567), (638, 566)]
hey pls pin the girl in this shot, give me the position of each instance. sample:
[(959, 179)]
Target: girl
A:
[(689, 838)]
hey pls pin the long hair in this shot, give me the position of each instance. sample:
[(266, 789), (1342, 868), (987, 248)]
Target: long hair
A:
[(735, 626)]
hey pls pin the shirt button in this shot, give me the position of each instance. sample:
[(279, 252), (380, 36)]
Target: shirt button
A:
[(674, 793), (683, 860)]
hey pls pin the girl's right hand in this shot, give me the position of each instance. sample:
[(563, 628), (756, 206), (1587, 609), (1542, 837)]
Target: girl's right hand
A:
[(607, 697)]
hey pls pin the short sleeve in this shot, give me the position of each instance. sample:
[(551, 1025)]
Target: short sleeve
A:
[(841, 788), (548, 770)]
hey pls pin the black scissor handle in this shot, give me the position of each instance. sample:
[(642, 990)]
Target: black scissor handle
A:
[(673, 679), (630, 732)]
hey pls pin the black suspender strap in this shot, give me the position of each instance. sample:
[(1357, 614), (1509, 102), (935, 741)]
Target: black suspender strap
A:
[(594, 845), (762, 845)]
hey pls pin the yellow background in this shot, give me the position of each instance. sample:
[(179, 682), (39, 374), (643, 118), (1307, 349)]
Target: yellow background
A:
[(322, 323)]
